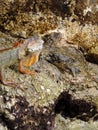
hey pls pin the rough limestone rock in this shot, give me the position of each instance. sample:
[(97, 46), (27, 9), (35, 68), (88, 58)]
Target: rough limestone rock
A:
[(63, 95)]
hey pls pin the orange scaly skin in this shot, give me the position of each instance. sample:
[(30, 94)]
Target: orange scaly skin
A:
[(27, 62), (26, 53)]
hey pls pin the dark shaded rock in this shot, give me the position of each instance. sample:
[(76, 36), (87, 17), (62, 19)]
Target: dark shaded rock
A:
[(66, 60), (26, 117), (80, 109)]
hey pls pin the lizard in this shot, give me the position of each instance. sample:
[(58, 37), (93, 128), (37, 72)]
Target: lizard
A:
[(26, 54)]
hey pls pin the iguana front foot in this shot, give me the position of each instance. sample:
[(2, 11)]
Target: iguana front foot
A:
[(25, 71)]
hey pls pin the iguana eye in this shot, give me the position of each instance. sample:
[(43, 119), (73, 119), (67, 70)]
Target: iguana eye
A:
[(28, 50)]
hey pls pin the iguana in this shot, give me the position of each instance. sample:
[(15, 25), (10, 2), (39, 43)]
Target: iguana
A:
[(26, 54)]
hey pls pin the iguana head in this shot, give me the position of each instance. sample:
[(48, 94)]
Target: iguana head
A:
[(34, 43), (30, 45)]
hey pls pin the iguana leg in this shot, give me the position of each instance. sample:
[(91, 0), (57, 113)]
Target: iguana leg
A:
[(9, 82), (1, 75), (27, 62)]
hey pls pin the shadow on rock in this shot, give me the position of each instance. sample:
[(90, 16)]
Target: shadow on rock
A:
[(80, 109)]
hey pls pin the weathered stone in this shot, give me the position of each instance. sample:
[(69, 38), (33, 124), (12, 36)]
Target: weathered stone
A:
[(64, 92)]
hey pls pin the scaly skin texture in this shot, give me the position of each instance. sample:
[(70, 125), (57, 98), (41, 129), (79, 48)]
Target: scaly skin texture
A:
[(26, 53)]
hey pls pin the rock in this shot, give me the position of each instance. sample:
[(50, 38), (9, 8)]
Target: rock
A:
[(60, 69), (93, 54), (64, 92)]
